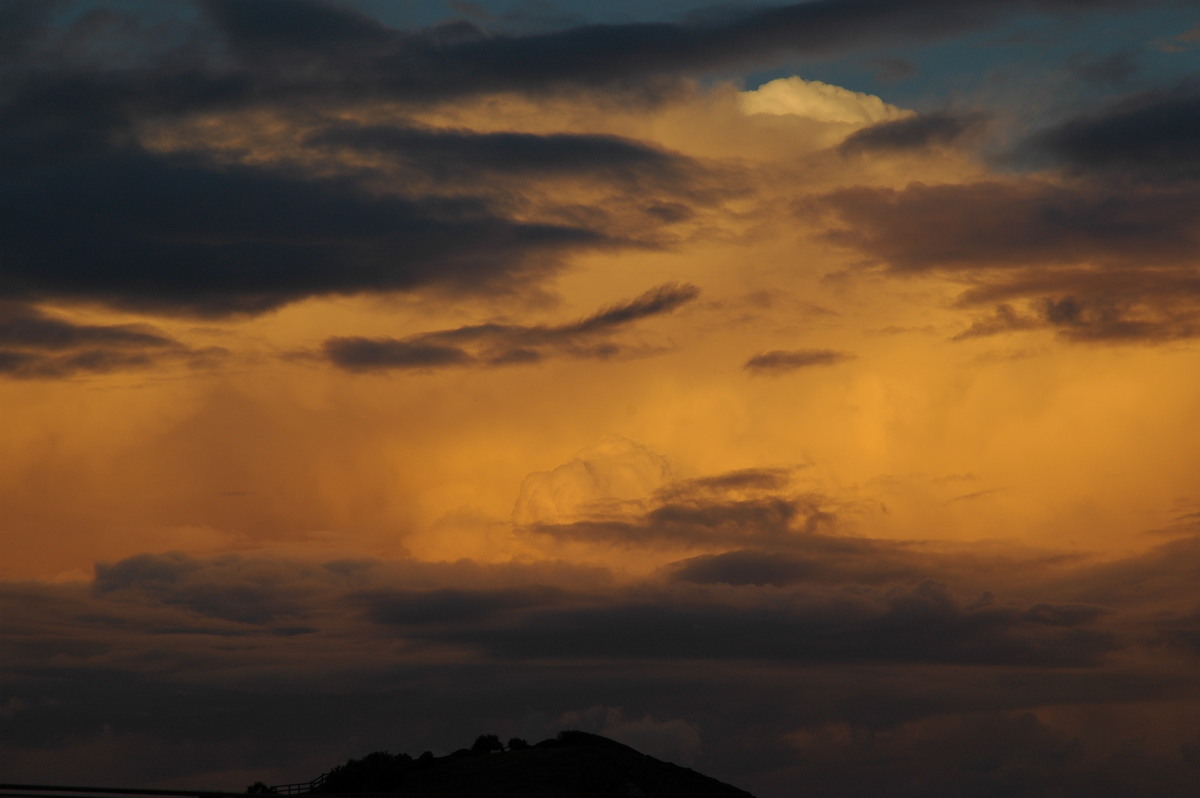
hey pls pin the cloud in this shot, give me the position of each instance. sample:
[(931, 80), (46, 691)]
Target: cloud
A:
[(939, 129), (427, 608), (1016, 223), (1096, 262), (884, 640), (496, 344), (199, 232), (612, 470), (460, 154), (1150, 136), (34, 345), (813, 99), (621, 494), (784, 361), (1003, 320), (228, 588), (245, 240), (903, 624)]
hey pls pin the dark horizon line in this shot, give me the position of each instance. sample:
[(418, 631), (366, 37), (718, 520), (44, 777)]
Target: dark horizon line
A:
[(41, 791)]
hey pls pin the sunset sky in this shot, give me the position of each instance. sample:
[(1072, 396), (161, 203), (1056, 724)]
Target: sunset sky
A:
[(806, 394)]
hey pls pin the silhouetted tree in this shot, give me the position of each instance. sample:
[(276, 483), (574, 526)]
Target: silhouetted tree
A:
[(517, 744), (486, 743)]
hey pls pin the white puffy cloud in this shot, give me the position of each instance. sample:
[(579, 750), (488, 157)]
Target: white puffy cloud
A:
[(819, 101)]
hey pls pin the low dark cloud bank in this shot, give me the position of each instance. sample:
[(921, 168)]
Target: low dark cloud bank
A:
[(783, 649), (784, 659)]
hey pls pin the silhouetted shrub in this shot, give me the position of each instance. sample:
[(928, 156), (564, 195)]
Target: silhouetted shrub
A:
[(486, 744), (259, 788), (375, 772)]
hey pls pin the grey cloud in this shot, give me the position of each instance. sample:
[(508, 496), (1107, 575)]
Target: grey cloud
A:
[(1114, 69), (188, 234), (879, 638), (496, 344), (1014, 224), (455, 154), (784, 361), (34, 345), (214, 241), (1004, 319), (375, 354), (229, 588), (772, 520), (913, 624), (454, 605), (1111, 263), (939, 129), (817, 559), (1148, 136), (24, 326)]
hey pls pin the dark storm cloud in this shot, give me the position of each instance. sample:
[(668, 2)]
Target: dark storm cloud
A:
[(939, 129), (86, 214), (596, 53), (1150, 136), (784, 361), (1105, 254), (455, 154), (507, 344), (229, 588), (23, 326), (150, 232), (286, 25), (281, 668), (34, 345), (1099, 262), (283, 50), (813, 559), (454, 605), (917, 624), (1017, 223)]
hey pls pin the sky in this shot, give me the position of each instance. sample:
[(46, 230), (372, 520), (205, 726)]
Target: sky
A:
[(802, 393)]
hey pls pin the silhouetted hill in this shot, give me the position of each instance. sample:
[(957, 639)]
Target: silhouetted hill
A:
[(573, 765)]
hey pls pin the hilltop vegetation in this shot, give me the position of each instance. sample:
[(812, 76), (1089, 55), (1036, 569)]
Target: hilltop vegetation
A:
[(573, 764)]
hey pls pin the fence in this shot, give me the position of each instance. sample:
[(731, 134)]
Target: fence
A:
[(301, 787)]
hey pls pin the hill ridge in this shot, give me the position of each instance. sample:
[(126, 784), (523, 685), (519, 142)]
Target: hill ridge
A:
[(574, 764)]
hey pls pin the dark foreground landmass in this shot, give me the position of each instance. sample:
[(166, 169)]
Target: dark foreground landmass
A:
[(572, 765)]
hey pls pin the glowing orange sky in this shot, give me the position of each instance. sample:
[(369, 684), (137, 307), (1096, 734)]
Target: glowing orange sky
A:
[(837, 424)]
